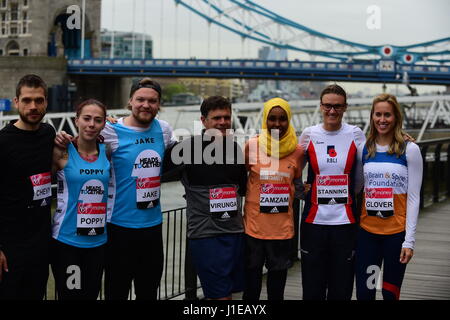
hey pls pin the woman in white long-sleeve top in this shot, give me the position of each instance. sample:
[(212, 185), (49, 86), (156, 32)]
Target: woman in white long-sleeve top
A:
[(392, 170)]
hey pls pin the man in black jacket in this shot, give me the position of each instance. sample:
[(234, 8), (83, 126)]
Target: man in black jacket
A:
[(25, 195)]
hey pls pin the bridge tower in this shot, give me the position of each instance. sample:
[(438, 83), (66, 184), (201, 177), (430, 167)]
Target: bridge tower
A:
[(35, 38), (39, 28)]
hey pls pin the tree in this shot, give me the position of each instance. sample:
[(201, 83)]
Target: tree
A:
[(172, 89)]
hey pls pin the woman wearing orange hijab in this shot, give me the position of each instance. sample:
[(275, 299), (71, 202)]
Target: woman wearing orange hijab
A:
[(273, 160)]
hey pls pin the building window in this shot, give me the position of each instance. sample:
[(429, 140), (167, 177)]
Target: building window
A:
[(25, 52), (12, 49), (1, 52), (13, 30), (3, 16), (24, 15), (25, 3), (24, 28), (3, 4), (14, 12)]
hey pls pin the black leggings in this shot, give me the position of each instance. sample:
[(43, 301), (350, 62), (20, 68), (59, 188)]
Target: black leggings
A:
[(275, 254), (372, 251), (78, 271), (27, 276), (133, 254), (327, 260)]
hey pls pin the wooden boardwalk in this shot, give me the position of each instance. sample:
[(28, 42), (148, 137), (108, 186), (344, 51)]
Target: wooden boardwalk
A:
[(427, 275)]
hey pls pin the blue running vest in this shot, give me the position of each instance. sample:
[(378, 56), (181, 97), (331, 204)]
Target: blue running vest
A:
[(137, 166), (80, 217)]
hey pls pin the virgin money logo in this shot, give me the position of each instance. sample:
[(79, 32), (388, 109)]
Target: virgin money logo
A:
[(323, 181), (40, 179), (84, 208), (267, 188), (140, 184), (216, 193), (370, 193), (36, 180)]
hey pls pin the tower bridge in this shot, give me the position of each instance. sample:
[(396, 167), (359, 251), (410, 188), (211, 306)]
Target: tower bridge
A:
[(383, 71)]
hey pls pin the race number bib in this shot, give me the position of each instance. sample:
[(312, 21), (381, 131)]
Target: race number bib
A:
[(223, 202), (379, 202), (332, 189), (42, 188), (147, 192), (91, 211), (146, 169), (274, 198)]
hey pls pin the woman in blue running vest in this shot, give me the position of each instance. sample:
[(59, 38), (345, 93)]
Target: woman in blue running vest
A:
[(78, 231)]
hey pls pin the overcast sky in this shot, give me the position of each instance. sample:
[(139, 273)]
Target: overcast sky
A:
[(178, 33)]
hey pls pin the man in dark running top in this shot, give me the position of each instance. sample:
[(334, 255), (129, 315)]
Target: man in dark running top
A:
[(25, 195), (214, 177)]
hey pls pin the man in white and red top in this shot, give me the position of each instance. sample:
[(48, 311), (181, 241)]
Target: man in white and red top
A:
[(328, 226)]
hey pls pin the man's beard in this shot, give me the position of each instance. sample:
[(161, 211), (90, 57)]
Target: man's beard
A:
[(26, 120), (145, 120)]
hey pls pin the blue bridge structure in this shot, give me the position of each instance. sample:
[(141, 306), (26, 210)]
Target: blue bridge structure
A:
[(386, 71), (252, 21)]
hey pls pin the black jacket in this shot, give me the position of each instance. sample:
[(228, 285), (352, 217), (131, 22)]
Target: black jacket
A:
[(24, 154)]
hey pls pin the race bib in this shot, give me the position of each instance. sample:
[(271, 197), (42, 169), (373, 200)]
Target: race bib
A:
[(42, 188), (223, 202), (91, 211), (379, 202), (91, 218), (147, 192), (274, 198), (332, 189), (146, 169)]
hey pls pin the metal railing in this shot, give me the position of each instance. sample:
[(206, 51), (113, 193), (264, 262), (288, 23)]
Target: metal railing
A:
[(421, 113), (176, 259), (436, 171)]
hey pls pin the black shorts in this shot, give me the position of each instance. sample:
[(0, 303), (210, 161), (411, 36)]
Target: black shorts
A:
[(133, 256), (274, 254)]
